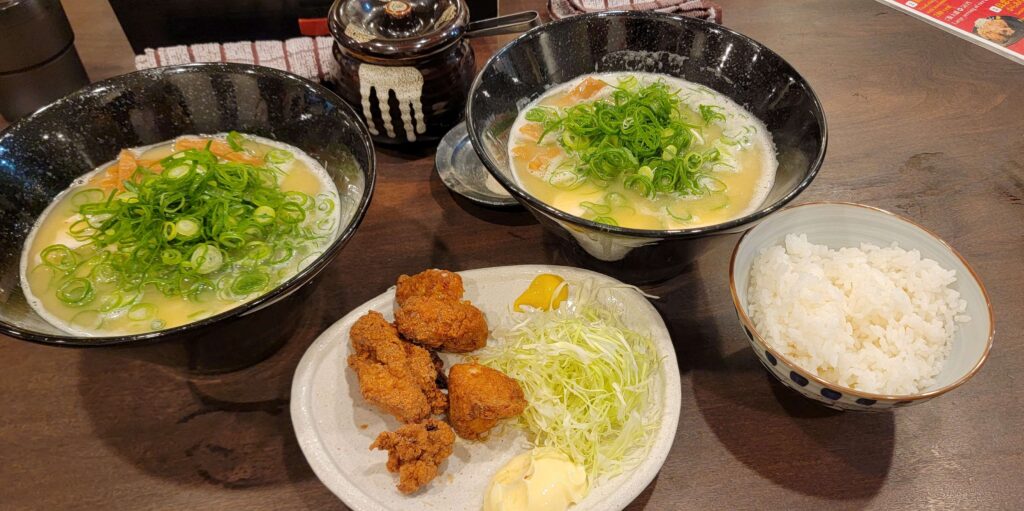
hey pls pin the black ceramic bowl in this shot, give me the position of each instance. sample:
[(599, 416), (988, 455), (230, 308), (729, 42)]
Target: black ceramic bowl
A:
[(41, 155), (695, 50)]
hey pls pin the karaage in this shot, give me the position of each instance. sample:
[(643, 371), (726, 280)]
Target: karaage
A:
[(479, 397), (399, 377), (415, 451), (440, 284), (455, 326)]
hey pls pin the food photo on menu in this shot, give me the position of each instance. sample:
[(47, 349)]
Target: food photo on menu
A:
[(526, 255)]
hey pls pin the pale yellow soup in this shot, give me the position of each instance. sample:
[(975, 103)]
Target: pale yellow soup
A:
[(114, 311), (747, 172)]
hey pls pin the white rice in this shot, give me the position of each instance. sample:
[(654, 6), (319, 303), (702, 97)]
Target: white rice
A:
[(879, 320)]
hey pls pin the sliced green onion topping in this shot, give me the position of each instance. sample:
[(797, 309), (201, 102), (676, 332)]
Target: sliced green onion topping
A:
[(645, 137), (202, 226), (75, 291), (60, 257), (278, 156)]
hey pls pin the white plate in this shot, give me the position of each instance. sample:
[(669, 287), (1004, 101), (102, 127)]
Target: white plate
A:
[(335, 426)]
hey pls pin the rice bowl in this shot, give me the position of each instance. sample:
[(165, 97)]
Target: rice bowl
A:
[(848, 225), (878, 319)]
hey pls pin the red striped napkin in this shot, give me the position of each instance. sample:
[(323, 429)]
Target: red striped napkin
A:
[(309, 57), (702, 9)]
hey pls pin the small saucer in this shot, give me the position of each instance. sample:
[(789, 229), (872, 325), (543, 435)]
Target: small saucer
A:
[(461, 170)]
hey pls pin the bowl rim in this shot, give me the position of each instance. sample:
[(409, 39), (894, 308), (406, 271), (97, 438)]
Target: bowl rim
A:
[(762, 343), (283, 289), (729, 226)]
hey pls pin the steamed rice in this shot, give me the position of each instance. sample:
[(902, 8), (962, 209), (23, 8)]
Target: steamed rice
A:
[(875, 319)]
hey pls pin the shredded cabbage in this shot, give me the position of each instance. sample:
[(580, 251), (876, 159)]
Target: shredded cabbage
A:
[(591, 381)]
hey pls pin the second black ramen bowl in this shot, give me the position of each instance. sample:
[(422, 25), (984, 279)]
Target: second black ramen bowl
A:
[(695, 50), (41, 155)]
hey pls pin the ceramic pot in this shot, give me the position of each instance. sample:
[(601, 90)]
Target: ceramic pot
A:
[(406, 65)]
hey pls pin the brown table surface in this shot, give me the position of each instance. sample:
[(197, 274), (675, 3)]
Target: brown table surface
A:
[(921, 123)]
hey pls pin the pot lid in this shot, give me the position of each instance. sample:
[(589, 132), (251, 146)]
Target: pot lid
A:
[(397, 28)]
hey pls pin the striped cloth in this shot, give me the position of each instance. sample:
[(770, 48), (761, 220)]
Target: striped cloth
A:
[(308, 57), (702, 9)]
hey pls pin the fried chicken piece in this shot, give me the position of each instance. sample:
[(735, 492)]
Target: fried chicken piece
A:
[(455, 326), (441, 284), (415, 451), (479, 397), (394, 375)]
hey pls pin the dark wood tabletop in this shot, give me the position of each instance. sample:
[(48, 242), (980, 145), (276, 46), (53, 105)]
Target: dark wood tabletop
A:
[(921, 123)]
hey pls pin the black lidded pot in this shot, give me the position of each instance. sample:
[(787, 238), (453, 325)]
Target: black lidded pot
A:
[(404, 65), (38, 61)]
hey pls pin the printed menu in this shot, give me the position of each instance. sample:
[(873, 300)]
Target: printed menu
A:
[(994, 24)]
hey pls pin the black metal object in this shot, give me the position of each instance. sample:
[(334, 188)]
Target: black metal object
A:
[(38, 61), (150, 24)]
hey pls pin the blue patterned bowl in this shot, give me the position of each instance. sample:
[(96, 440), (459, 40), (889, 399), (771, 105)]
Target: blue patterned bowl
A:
[(845, 225)]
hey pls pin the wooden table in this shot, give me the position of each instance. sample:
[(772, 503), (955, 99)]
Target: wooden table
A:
[(921, 123)]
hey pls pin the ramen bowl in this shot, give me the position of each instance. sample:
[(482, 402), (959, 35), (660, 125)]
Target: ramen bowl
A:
[(41, 155), (701, 52)]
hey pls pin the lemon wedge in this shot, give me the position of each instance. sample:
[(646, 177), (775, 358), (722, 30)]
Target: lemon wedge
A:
[(546, 292)]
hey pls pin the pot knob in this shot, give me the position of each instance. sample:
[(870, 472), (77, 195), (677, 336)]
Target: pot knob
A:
[(397, 9)]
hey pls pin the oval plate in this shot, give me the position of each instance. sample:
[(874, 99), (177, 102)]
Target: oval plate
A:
[(335, 426)]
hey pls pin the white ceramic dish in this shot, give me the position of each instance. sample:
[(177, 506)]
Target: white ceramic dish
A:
[(335, 426), (838, 224)]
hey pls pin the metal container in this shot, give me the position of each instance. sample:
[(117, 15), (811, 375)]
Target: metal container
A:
[(38, 61)]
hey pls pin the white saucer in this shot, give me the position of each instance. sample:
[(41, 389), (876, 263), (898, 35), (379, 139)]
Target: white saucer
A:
[(335, 426)]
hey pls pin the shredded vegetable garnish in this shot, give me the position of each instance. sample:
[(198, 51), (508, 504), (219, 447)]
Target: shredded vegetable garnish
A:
[(590, 380)]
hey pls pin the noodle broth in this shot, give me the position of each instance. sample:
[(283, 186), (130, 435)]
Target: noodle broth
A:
[(742, 175), (114, 309)]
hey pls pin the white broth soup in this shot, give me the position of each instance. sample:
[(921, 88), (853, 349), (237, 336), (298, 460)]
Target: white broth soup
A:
[(642, 150), (178, 231)]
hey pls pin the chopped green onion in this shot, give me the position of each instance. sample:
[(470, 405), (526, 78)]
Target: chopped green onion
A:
[(684, 217), (278, 156), (291, 213), (206, 259), (177, 172), (60, 257), (183, 230), (187, 227), (264, 215), (249, 283), (170, 256), (75, 292), (235, 140), (599, 209), (641, 136), (615, 200), (710, 113), (87, 196)]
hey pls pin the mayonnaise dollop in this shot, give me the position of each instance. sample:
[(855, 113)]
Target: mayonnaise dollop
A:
[(543, 479)]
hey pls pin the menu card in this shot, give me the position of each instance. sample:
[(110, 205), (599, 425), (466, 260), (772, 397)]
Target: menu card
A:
[(994, 24)]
